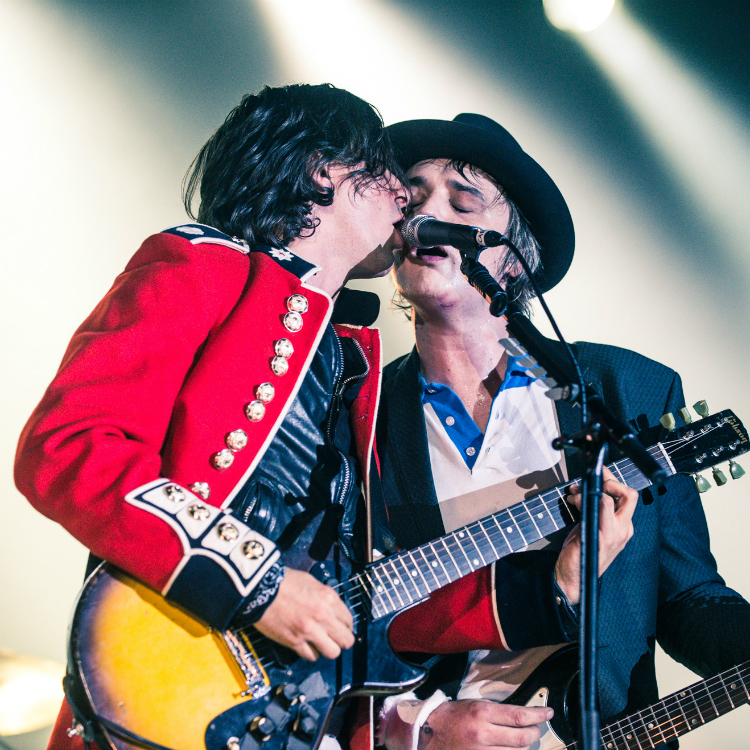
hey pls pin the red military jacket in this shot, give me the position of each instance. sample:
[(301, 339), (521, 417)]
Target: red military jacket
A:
[(166, 400)]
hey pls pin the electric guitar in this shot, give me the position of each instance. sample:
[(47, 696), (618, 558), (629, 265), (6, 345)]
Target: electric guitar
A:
[(154, 676), (554, 683)]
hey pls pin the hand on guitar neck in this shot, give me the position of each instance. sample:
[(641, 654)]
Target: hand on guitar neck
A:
[(616, 510), (308, 617)]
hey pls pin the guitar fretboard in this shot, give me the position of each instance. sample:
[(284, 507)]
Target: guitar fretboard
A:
[(679, 713), (408, 577)]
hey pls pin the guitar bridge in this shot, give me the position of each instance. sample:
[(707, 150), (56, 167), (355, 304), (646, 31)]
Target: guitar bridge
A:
[(247, 660)]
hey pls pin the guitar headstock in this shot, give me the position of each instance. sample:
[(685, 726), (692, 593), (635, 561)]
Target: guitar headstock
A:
[(704, 444)]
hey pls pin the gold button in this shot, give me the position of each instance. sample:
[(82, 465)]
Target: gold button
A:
[(284, 348), (255, 411), (201, 489), (198, 512), (279, 365), (223, 459), (236, 440), (174, 493), (293, 322), (297, 303), (265, 392), (252, 549), (227, 532)]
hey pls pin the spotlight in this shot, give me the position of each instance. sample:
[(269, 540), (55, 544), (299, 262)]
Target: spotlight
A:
[(577, 15)]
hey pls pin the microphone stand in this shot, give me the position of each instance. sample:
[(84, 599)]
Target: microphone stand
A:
[(601, 429)]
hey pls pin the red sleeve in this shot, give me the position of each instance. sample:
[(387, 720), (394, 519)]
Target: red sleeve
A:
[(99, 429), (458, 617)]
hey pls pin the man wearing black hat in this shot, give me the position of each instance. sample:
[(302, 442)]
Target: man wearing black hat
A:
[(466, 432)]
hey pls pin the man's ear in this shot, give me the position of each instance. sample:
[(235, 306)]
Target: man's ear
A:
[(320, 173)]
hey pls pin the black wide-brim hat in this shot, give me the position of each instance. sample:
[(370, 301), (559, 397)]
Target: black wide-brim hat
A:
[(483, 143)]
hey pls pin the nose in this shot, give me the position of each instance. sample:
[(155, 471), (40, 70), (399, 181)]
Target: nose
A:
[(433, 205)]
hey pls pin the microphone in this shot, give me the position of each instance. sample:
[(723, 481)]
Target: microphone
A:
[(424, 231)]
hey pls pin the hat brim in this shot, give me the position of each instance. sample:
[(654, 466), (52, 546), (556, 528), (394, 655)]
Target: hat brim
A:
[(498, 154)]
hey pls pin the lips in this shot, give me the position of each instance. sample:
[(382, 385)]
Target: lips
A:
[(430, 252)]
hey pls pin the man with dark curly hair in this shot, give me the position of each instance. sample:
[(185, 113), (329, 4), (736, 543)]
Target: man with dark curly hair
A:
[(208, 403)]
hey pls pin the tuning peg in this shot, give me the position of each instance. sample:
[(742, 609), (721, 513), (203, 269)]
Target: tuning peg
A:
[(719, 476), (701, 483), (735, 470), (701, 407), (668, 421), (685, 414)]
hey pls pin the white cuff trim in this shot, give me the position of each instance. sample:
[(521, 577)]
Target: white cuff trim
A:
[(399, 724)]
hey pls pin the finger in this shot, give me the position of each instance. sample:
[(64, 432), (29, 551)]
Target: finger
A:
[(324, 645), (519, 716), (510, 738), (333, 606), (307, 652), (340, 633)]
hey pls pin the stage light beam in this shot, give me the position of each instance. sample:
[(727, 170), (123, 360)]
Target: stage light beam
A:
[(578, 15)]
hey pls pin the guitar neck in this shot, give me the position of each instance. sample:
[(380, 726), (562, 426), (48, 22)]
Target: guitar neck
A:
[(681, 712), (408, 577)]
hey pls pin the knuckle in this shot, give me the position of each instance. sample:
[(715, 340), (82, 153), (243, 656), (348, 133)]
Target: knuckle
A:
[(528, 736)]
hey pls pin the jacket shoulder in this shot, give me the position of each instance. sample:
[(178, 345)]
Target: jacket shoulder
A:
[(200, 234), (608, 360)]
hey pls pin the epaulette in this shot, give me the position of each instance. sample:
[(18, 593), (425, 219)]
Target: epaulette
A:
[(202, 233)]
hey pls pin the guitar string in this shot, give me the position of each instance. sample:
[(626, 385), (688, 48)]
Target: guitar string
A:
[(704, 704), (625, 468), (628, 473)]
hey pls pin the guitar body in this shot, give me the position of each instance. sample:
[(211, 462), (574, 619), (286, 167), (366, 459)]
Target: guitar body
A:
[(554, 684), (152, 670)]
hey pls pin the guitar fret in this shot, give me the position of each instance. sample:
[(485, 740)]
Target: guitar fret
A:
[(394, 581), (419, 572), (517, 525), (376, 599), (489, 541), (685, 724), (359, 586), (693, 720), (710, 698), (459, 536), (561, 495), (742, 681), (618, 472), (633, 734), (550, 516), (431, 569), (497, 521), (541, 517), (621, 741), (455, 558), (470, 539), (410, 585), (659, 722), (381, 589), (607, 737), (436, 565), (729, 696), (476, 546)]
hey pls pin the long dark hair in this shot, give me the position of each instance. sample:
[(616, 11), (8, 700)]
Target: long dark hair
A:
[(255, 174)]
